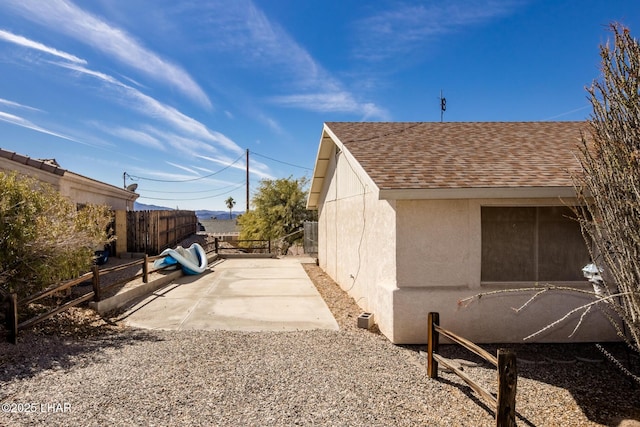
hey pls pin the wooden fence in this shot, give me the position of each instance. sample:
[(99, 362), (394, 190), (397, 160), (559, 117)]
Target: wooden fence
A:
[(505, 402), (151, 232), (12, 320)]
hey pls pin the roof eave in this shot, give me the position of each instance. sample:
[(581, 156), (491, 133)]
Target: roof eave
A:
[(327, 139), (477, 193)]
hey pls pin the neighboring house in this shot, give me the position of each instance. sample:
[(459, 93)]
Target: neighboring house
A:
[(80, 189), (221, 227), (415, 216)]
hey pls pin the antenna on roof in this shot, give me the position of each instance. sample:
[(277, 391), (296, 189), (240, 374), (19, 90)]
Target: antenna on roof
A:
[(443, 106)]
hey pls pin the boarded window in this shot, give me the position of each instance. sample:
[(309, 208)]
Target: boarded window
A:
[(531, 244)]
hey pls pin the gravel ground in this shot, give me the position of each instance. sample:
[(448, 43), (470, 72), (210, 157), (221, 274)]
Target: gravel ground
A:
[(79, 369)]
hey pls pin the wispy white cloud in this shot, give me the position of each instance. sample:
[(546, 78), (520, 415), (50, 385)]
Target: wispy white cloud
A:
[(205, 170), (157, 110), (136, 173), (17, 105), (31, 44), (255, 168), (65, 17), (566, 113), (392, 33), (22, 122), (242, 28), (337, 102), (134, 135), (184, 168)]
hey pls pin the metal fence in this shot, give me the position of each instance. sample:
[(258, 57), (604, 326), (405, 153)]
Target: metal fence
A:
[(310, 237)]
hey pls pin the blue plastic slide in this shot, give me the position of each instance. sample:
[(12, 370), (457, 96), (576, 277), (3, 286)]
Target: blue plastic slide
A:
[(192, 260)]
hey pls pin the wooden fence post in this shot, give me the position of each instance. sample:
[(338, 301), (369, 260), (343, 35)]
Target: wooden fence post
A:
[(12, 319), (432, 344), (216, 245), (507, 384), (145, 269), (97, 292)]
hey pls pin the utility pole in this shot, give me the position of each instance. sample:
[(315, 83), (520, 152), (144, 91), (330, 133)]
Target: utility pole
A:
[(247, 180)]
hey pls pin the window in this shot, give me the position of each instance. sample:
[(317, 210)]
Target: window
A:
[(531, 244)]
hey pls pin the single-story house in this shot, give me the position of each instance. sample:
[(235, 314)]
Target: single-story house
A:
[(78, 188), (414, 217)]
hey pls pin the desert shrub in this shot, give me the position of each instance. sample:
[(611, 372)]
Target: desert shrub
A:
[(609, 185), (279, 210), (44, 237)]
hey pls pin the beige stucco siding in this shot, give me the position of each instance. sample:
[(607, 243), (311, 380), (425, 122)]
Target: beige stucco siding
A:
[(357, 239), (83, 190), (77, 188), (50, 178), (493, 319), (402, 258), (438, 243), (439, 263)]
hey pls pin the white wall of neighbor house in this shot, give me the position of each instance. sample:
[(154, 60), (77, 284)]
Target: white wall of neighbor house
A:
[(439, 262), (44, 176), (85, 190), (77, 188)]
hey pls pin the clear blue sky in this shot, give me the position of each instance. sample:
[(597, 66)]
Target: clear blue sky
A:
[(178, 90)]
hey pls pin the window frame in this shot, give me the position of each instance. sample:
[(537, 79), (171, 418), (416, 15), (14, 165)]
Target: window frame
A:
[(536, 250)]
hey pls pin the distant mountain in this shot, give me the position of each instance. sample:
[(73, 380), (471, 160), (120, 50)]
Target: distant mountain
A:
[(205, 214), (142, 207), (201, 213)]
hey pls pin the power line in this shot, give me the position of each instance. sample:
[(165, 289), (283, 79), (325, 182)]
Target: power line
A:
[(190, 192), (197, 198), (280, 161), (134, 177)]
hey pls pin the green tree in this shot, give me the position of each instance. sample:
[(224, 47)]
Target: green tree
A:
[(230, 204), (279, 209), (44, 238)]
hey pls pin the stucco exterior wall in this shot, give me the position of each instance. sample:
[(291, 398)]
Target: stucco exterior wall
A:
[(77, 188), (81, 189), (401, 259), (356, 239), (439, 263), (44, 176)]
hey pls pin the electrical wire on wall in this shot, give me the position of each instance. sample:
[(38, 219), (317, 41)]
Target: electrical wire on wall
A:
[(364, 217)]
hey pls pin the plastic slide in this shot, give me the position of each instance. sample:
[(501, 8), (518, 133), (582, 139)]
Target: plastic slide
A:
[(193, 260)]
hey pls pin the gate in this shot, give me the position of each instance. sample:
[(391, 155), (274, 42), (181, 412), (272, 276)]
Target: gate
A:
[(311, 237)]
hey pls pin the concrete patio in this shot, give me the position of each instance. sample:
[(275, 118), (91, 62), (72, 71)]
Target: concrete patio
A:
[(250, 294)]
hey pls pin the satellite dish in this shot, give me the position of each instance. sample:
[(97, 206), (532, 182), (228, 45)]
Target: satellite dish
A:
[(132, 187)]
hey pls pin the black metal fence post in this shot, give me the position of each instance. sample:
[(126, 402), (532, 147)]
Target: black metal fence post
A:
[(12, 319)]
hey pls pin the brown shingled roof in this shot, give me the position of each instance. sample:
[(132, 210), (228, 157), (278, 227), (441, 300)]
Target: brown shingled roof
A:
[(463, 155)]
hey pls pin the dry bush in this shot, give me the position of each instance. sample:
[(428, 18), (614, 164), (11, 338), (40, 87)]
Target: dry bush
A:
[(44, 238), (609, 185)]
